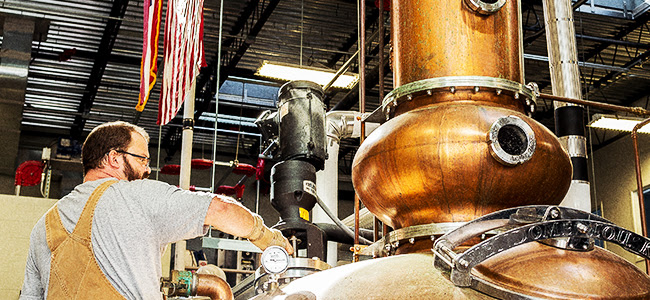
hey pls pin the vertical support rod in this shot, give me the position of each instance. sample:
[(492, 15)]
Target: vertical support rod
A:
[(48, 181), (158, 152), (639, 183), (381, 49), (381, 91), (186, 165), (216, 100), (257, 194), (362, 103)]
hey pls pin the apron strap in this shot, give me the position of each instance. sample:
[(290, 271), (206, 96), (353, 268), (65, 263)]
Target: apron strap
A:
[(82, 230), (55, 233)]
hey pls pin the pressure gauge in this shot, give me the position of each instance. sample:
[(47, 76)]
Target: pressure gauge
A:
[(275, 260)]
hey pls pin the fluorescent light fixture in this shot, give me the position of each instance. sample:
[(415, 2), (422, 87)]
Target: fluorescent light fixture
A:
[(617, 123), (290, 72)]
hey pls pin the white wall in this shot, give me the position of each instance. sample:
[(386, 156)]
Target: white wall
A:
[(614, 186), (17, 218)]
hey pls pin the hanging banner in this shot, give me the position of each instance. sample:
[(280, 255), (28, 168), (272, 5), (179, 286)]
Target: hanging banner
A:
[(149, 67), (183, 55)]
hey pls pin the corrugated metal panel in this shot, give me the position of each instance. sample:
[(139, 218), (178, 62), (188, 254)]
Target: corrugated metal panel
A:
[(317, 29)]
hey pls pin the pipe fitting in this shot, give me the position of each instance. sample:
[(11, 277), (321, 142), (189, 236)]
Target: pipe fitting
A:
[(185, 283), (340, 124), (485, 7)]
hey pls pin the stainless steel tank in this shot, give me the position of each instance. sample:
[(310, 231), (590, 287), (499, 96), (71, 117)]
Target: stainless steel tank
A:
[(412, 276)]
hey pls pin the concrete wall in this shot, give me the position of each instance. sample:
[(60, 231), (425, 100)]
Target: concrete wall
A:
[(17, 218), (614, 186)]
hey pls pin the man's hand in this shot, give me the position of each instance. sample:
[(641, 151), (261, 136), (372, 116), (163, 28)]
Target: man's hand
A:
[(263, 237)]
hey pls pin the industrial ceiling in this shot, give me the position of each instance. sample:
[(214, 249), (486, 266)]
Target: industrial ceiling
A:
[(85, 71)]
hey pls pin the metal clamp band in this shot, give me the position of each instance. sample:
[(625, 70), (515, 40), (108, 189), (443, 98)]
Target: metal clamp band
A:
[(188, 123), (388, 243), (452, 84), (540, 223), (575, 145), (513, 216)]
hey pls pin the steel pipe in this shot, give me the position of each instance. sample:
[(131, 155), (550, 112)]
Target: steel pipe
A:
[(633, 110), (565, 80)]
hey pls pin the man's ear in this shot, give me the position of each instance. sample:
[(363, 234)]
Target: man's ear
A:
[(112, 160)]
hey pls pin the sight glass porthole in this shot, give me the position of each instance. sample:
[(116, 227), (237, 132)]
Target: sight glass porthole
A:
[(512, 141)]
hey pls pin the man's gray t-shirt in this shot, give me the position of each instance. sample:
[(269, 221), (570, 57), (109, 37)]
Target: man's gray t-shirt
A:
[(133, 222)]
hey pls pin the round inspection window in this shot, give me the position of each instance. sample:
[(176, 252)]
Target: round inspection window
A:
[(485, 7), (512, 141)]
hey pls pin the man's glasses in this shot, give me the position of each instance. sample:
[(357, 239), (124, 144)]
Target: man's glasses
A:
[(142, 159)]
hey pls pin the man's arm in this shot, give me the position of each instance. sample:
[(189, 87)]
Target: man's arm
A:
[(227, 215), (32, 288)]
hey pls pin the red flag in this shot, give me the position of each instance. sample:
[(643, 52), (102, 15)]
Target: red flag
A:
[(149, 66), (183, 55)]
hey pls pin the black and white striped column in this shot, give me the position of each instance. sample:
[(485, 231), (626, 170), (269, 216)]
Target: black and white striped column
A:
[(565, 80)]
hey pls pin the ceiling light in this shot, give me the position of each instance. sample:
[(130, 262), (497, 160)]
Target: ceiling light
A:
[(612, 122), (290, 72)]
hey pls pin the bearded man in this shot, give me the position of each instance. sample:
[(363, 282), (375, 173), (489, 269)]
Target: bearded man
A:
[(105, 239)]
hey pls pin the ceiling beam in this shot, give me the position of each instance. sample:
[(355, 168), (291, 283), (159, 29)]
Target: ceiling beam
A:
[(635, 61), (638, 22), (253, 18), (103, 54), (639, 59), (372, 78), (88, 55), (352, 97), (351, 40), (264, 9), (531, 38)]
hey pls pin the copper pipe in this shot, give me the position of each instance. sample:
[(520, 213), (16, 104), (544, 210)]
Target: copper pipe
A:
[(214, 287), (356, 225), (633, 110), (639, 182), (362, 64), (239, 271), (578, 3)]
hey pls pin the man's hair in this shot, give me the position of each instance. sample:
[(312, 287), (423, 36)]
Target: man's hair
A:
[(106, 137)]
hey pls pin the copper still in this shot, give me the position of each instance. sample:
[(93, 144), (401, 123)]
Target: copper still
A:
[(460, 158), (459, 143)]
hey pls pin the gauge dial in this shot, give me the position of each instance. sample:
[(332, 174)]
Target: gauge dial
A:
[(275, 260)]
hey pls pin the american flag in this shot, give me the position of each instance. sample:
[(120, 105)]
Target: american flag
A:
[(183, 55), (148, 66)]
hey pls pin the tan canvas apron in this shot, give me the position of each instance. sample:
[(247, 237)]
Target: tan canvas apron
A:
[(74, 272)]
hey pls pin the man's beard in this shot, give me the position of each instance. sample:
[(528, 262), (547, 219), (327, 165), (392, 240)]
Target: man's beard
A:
[(131, 174)]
